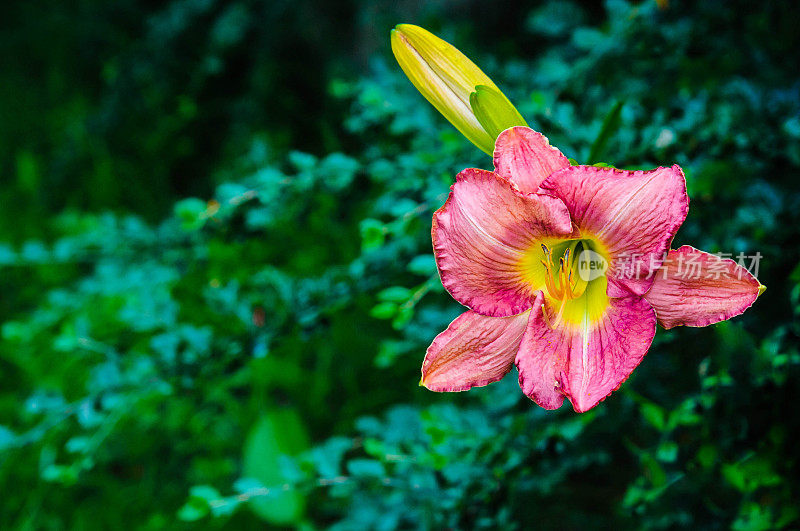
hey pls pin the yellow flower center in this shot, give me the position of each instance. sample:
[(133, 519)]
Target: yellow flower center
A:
[(571, 273), (562, 285)]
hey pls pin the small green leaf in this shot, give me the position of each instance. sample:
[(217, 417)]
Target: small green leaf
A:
[(373, 234), (395, 294), (384, 310), (279, 435), (366, 468), (302, 161), (374, 447), (404, 315), (7, 438), (423, 264), (243, 485), (735, 476), (193, 510), (75, 445), (66, 475), (204, 492), (654, 471), (667, 452), (190, 213), (387, 353), (493, 110), (654, 414), (199, 503)]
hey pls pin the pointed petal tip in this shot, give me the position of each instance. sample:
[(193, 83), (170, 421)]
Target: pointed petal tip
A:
[(404, 29), (474, 351), (708, 290), (397, 38)]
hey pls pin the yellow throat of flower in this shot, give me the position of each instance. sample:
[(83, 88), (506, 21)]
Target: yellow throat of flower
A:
[(574, 284)]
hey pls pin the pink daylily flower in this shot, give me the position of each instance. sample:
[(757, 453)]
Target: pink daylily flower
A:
[(509, 245)]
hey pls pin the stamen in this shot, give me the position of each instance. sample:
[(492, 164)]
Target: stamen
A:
[(562, 276), (560, 285), (576, 294), (562, 281), (560, 313), (548, 280), (553, 325), (547, 319)]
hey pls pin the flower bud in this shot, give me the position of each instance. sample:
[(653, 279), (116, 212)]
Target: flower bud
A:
[(448, 79)]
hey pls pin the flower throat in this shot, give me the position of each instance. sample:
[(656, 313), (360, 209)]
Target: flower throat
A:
[(562, 283)]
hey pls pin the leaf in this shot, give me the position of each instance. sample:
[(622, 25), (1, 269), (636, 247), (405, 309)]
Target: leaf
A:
[(384, 310), (302, 161), (404, 315), (654, 414), (7, 254), (278, 435), (373, 234), (205, 492), (750, 474), (388, 352), (243, 485), (610, 126), (327, 457), (424, 265), (66, 475), (193, 510), (394, 294), (667, 452), (735, 476), (75, 445), (190, 213), (7, 438), (366, 468)]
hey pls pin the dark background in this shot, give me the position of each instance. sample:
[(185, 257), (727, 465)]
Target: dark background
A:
[(216, 283)]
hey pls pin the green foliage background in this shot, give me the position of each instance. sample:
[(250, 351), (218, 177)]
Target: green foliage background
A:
[(216, 282)]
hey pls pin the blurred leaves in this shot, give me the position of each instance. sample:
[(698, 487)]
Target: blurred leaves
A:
[(262, 342)]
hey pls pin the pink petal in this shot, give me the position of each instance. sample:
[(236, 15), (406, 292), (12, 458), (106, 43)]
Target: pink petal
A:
[(475, 350), (584, 363), (541, 369), (633, 214), (694, 288), (482, 236), (526, 158)]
